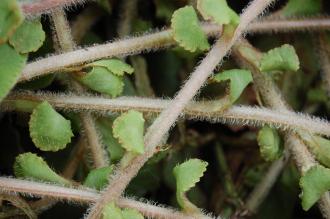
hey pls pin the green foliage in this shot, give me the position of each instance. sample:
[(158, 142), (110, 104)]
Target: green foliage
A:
[(218, 11), (11, 64), (28, 37), (128, 128), (283, 58), (301, 8), (49, 130), (29, 165), (238, 78), (10, 18), (111, 211), (187, 31), (314, 183), (115, 66), (103, 81), (269, 142), (187, 175), (98, 178)]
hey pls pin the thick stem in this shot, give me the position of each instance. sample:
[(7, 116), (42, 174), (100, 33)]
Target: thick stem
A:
[(212, 111), (168, 116), (29, 188), (134, 45)]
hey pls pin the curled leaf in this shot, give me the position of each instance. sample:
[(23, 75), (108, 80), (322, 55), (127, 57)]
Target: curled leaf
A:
[(128, 129), (29, 165), (28, 37), (239, 79), (103, 81), (187, 31), (314, 183), (187, 175), (282, 58), (98, 178), (115, 66), (10, 18), (269, 142), (218, 11), (11, 64), (49, 130)]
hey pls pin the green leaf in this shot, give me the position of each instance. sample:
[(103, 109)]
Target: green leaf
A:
[(269, 142), (283, 58), (128, 128), (10, 18), (101, 80), (239, 79), (187, 31), (11, 64), (29, 165), (98, 178), (319, 146), (187, 175), (218, 11), (28, 37), (49, 130), (111, 211), (129, 213), (314, 183), (299, 8), (115, 66)]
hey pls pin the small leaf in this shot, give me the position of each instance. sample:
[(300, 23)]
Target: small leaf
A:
[(29, 165), (299, 8), (314, 183), (49, 130), (10, 18), (11, 64), (269, 142), (187, 31), (218, 11), (111, 211), (129, 213), (128, 129), (283, 58), (187, 175), (103, 81), (98, 178), (239, 79), (28, 37), (115, 66)]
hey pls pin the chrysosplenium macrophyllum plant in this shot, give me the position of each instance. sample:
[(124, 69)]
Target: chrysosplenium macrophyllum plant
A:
[(164, 109)]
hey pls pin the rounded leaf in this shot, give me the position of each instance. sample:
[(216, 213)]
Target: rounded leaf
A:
[(314, 183), (128, 128), (11, 64), (101, 80), (115, 66), (218, 11), (98, 178), (269, 142), (282, 58), (10, 18), (187, 31), (49, 130), (238, 78), (129, 213), (28, 37), (29, 165), (111, 211), (296, 8)]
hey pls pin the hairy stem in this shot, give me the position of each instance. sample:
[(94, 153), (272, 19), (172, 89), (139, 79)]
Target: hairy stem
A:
[(271, 96), (323, 54), (29, 188), (19, 203), (169, 115), (212, 111), (65, 43), (130, 46), (47, 6)]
